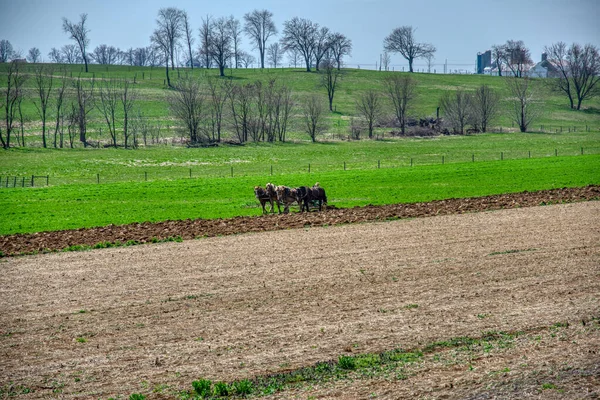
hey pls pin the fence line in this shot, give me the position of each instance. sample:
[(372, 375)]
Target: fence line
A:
[(224, 171)]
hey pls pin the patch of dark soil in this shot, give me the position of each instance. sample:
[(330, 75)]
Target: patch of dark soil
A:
[(189, 229)]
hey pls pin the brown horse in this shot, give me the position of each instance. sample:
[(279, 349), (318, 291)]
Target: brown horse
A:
[(270, 189), (263, 197), (287, 196)]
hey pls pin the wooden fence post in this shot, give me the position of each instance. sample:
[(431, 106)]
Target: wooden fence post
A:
[(32, 182)]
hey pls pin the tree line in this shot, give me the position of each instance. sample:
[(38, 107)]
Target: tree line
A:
[(210, 109)]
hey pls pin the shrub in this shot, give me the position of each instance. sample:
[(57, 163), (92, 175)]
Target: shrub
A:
[(202, 387), (221, 389), (243, 387), (347, 362)]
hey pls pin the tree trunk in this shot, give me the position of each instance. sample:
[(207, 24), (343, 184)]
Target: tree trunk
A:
[(44, 129), (168, 78)]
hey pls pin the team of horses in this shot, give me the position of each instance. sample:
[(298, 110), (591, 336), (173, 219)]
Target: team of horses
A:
[(286, 196)]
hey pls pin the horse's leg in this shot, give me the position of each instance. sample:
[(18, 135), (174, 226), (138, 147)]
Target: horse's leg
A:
[(272, 206)]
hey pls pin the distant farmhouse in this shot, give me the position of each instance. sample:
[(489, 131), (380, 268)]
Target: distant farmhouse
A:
[(543, 69)]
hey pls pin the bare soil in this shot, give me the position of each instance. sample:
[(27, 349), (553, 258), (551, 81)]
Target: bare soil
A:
[(151, 319), (190, 229)]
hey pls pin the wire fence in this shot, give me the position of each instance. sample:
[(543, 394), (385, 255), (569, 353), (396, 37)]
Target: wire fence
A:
[(159, 173)]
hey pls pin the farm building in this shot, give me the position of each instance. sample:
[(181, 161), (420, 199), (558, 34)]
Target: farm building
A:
[(543, 69)]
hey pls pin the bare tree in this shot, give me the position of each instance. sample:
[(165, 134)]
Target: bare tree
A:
[(127, 97), (517, 57), (187, 105), (105, 55), (430, 59), (330, 77), (220, 44), (259, 27), (579, 71), (205, 39), (299, 34), (274, 54), (43, 87), (522, 100), (189, 36), (240, 101), (313, 113), (293, 56), (161, 41), (71, 54), (386, 60), (235, 29), (34, 55), (6, 51), (322, 45), (84, 104), (170, 28), (219, 91), (108, 106), (79, 33), (498, 55), (11, 96), (55, 56), (59, 109), (368, 106), (340, 46), (485, 104), (456, 107), (283, 105), (246, 59), (144, 56), (402, 40), (400, 90)]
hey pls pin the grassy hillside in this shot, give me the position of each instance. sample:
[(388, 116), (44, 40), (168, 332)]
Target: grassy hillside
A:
[(152, 93)]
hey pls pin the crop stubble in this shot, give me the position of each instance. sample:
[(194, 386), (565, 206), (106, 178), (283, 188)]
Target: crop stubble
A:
[(239, 306)]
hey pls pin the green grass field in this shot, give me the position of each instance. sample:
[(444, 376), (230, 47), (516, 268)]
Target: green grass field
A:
[(83, 166), (75, 206)]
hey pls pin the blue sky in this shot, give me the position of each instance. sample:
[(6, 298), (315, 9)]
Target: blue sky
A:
[(458, 28)]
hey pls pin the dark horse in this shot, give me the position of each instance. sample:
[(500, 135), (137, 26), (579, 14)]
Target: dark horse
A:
[(307, 195), (267, 195)]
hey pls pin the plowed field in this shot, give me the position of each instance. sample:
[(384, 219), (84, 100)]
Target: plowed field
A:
[(190, 229), (151, 319)]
